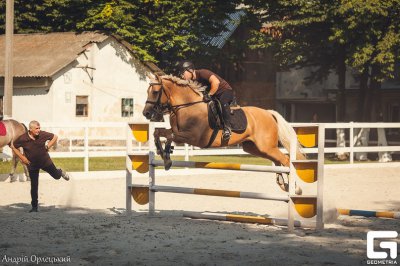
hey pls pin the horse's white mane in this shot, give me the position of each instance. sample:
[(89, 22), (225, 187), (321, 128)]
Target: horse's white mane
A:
[(194, 85)]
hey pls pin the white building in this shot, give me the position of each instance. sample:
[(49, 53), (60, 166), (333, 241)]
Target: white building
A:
[(70, 78)]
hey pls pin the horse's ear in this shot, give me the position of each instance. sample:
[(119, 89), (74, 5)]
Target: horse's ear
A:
[(151, 76), (158, 76)]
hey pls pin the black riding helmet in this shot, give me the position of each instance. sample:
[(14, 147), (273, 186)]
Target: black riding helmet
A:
[(186, 65)]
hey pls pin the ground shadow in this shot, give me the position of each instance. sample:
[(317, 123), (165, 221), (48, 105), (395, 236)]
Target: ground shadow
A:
[(109, 237)]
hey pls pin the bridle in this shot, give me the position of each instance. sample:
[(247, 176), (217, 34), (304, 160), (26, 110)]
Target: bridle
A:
[(160, 108)]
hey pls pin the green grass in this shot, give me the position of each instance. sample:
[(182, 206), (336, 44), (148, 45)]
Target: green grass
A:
[(118, 163), (77, 164)]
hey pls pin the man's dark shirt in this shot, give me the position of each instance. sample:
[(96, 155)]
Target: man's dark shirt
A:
[(35, 150), (203, 77)]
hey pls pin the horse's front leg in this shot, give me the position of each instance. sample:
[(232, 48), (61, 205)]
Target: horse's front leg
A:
[(164, 153)]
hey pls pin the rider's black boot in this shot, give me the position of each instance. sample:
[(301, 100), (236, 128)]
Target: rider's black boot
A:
[(227, 131)]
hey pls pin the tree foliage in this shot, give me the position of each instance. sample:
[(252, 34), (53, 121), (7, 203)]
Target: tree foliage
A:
[(312, 32), (162, 31), (371, 30), (333, 35)]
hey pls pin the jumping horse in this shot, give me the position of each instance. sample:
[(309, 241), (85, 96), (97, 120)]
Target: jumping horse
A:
[(188, 111), (10, 130)]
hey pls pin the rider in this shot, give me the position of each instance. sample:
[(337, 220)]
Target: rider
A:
[(218, 88)]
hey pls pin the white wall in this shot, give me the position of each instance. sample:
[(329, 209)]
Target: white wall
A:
[(33, 104), (117, 75)]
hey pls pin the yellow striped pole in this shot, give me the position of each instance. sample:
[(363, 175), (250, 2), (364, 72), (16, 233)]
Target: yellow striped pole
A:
[(218, 193), (226, 166), (245, 219)]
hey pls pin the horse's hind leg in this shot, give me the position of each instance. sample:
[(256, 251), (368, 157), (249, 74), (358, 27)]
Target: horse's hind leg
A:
[(28, 178), (14, 162), (276, 156), (270, 153)]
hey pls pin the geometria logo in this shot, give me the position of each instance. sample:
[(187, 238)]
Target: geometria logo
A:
[(388, 248)]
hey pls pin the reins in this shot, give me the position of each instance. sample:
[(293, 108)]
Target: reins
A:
[(177, 106)]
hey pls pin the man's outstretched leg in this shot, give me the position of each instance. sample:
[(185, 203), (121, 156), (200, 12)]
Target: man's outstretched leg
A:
[(56, 173)]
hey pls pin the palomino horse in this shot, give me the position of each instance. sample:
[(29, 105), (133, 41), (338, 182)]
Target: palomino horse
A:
[(189, 124), (10, 130)]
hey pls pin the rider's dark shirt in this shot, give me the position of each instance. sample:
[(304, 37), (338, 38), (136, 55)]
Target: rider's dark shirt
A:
[(203, 77)]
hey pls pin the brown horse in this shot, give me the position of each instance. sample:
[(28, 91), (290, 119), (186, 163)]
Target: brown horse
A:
[(189, 123), (10, 130)]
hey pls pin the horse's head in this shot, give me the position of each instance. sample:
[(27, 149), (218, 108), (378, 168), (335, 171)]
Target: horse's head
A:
[(156, 101)]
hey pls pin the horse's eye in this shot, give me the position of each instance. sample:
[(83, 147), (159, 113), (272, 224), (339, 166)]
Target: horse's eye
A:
[(155, 92)]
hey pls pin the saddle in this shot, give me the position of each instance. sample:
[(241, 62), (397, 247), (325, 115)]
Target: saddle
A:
[(237, 119)]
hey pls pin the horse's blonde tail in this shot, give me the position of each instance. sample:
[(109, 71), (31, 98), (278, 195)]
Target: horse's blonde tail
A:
[(286, 133)]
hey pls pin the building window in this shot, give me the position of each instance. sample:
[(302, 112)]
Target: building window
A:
[(127, 107), (394, 112), (82, 106)]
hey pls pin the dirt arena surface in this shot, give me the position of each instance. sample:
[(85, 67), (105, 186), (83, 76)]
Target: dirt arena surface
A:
[(83, 222)]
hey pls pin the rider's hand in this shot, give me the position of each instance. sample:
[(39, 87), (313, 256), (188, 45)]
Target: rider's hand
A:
[(207, 98)]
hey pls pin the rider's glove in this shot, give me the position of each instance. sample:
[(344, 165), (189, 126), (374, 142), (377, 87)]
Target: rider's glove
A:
[(207, 98)]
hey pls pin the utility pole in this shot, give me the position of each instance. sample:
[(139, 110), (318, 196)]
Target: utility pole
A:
[(8, 72)]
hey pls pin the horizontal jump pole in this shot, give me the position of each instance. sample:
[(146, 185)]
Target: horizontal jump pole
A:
[(378, 214), (245, 219), (304, 205), (226, 166), (218, 193)]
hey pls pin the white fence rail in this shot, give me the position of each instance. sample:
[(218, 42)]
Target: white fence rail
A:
[(109, 140)]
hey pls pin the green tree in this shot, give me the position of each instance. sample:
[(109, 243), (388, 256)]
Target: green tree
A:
[(361, 34), (370, 30), (162, 31), (46, 15)]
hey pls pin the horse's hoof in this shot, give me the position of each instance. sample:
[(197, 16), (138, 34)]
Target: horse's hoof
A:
[(167, 164), (298, 190), (281, 183), (285, 187)]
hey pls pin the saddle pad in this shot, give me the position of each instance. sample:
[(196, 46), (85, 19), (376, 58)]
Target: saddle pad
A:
[(238, 118), (3, 130), (238, 121)]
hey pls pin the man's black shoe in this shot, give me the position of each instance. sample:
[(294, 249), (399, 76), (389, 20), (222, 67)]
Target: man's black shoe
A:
[(34, 209)]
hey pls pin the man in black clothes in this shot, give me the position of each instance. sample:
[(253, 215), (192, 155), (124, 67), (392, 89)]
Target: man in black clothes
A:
[(36, 157)]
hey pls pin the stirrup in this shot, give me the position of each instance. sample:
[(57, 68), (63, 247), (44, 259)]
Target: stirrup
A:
[(226, 133)]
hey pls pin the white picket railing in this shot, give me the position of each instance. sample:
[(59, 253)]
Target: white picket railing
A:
[(80, 136)]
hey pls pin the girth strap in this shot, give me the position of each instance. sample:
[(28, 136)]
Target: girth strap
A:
[(212, 138)]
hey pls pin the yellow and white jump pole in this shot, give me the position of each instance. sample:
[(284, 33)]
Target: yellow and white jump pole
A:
[(244, 219)]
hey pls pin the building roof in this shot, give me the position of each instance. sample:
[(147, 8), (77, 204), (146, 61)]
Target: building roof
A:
[(44, 54), (231, 24)]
